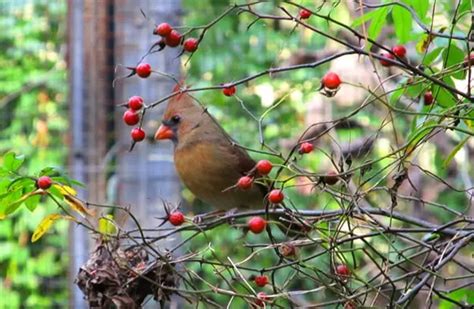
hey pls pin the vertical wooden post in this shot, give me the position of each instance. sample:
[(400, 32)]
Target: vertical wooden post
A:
[(146, 175)]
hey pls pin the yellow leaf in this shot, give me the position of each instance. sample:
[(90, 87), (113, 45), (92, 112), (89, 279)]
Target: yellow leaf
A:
[(107, 225), (78, 205), (66, 190), (2, 216), (44, 226)]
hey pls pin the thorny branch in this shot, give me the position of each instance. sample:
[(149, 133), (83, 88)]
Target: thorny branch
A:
[(396, 258)]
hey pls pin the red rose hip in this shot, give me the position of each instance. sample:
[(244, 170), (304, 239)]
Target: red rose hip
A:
[(276, 196), (257, 225), (306, 148), (385, 62), (44, 182), (261, 280), (135, 102), (137, 134), (173, 39), (428, 98), (399, 50), (190, 45), (131, 117), (305, 14), (245, 182), (163, 29), (331, 80), (343, 271), (229, 91), (264, 167), (176, 218), (143, 70)]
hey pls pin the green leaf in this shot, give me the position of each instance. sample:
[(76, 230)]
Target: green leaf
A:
[(432, 55), (442, 96), (465, 6), (415, 90), (365, 17), (395, 96), (454, 152), (420, 7), (403, 23), (378, 21), (452, 56), (32, 202), (12, 162), (417, 135)]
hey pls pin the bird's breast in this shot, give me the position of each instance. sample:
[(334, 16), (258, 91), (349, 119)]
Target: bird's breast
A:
[(210, 172)]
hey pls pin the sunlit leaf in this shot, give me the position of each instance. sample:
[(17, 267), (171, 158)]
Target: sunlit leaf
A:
[(16, 204), (12, 162), (455, 150), (44, 226), (415, 137), (424, 43), (107, 225), (377, 24), (421, 7), (32, 201), (432, 55), (78, 206), (442, 96), (65, 190), (403, 23), (453, 55)]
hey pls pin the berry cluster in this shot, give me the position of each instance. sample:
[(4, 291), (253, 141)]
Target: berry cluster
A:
[(173, 38)]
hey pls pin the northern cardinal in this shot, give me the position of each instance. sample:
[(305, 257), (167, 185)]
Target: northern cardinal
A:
[(206, 158)]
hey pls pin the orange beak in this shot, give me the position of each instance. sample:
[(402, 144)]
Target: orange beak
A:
[(164, 132)]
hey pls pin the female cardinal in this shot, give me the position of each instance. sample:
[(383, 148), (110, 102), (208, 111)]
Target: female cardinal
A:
[(206, 159)]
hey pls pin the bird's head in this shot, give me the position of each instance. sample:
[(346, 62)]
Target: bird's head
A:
[(182, 116)]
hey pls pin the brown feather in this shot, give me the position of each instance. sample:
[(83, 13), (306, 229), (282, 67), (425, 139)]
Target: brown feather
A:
[(208, 161)]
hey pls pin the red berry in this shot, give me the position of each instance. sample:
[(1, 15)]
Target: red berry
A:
[(276, 196), (428, 97), (399, 50), (135, 102), (173, 38), (176, 218), (190, 45), (137, 134), (229, 91), (331, 80), (264, 167), (262, 297), (306, 148), (350, 305), (331, 178), (131, 117), (384, 62), (257, 224), (44, 182), (305, 14), (261, 281), (343, 271), (143, 70), (163, 29), (245, 182)]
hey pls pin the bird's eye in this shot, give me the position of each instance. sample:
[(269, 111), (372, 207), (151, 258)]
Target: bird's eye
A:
[(175, 119)]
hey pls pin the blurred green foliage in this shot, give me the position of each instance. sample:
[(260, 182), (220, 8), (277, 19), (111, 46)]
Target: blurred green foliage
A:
[(33, 90)]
